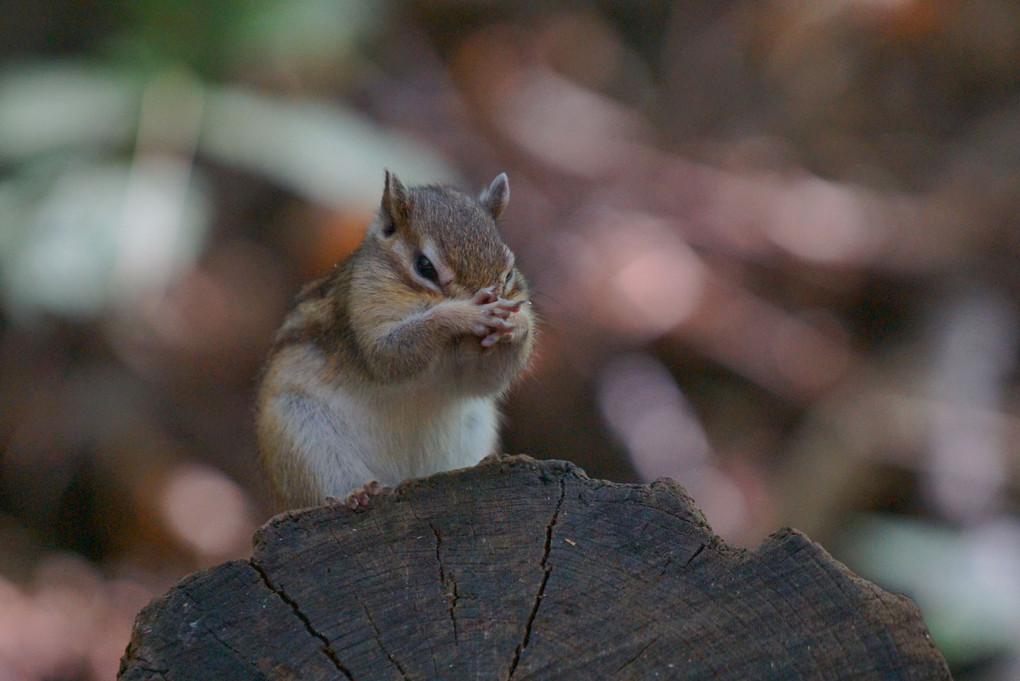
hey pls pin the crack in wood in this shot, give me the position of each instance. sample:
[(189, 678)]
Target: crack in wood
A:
[(547, 570), (636, 655), (384, 535), (150, 671), (687, 563), (695, 555), (140, 663), (226, 644), (452, 591), (327, 647), (378, 639)]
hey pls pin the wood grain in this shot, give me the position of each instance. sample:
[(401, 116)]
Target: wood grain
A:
[(524, 569)]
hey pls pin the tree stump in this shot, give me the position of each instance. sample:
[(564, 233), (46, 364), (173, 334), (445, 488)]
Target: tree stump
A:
[(524, 569)]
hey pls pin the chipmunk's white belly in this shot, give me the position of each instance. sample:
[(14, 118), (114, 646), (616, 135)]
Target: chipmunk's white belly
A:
[(345, 437), (405, 433)]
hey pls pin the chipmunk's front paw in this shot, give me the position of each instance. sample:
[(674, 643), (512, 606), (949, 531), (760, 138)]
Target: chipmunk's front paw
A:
[(361, 498), (493, 325)]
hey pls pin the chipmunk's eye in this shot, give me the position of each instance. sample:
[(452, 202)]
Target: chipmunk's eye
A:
[(424, 267)]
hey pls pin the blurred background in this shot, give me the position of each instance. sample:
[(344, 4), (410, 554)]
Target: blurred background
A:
[(774, 246)]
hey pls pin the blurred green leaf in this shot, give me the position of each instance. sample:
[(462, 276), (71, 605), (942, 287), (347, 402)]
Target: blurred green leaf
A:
[(221, 40), (51, 106), (321, 151), (311, 31), (964, 581), (79, 238), (156, 35)]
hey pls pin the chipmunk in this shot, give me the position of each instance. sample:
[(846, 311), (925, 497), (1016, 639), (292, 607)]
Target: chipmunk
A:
[(392, 365)]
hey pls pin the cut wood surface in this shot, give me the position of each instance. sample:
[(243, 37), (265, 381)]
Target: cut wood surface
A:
[(524, 569)]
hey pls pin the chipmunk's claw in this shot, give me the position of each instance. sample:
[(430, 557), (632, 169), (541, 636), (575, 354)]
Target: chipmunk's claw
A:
[(361, 498)]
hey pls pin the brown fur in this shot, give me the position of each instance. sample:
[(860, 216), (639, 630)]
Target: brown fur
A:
[(374, 322)]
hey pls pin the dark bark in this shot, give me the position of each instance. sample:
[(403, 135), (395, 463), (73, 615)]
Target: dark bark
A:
[(526, 569)]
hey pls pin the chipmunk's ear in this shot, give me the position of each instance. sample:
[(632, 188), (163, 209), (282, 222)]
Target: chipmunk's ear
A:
[(497, 196), (396, 205)]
